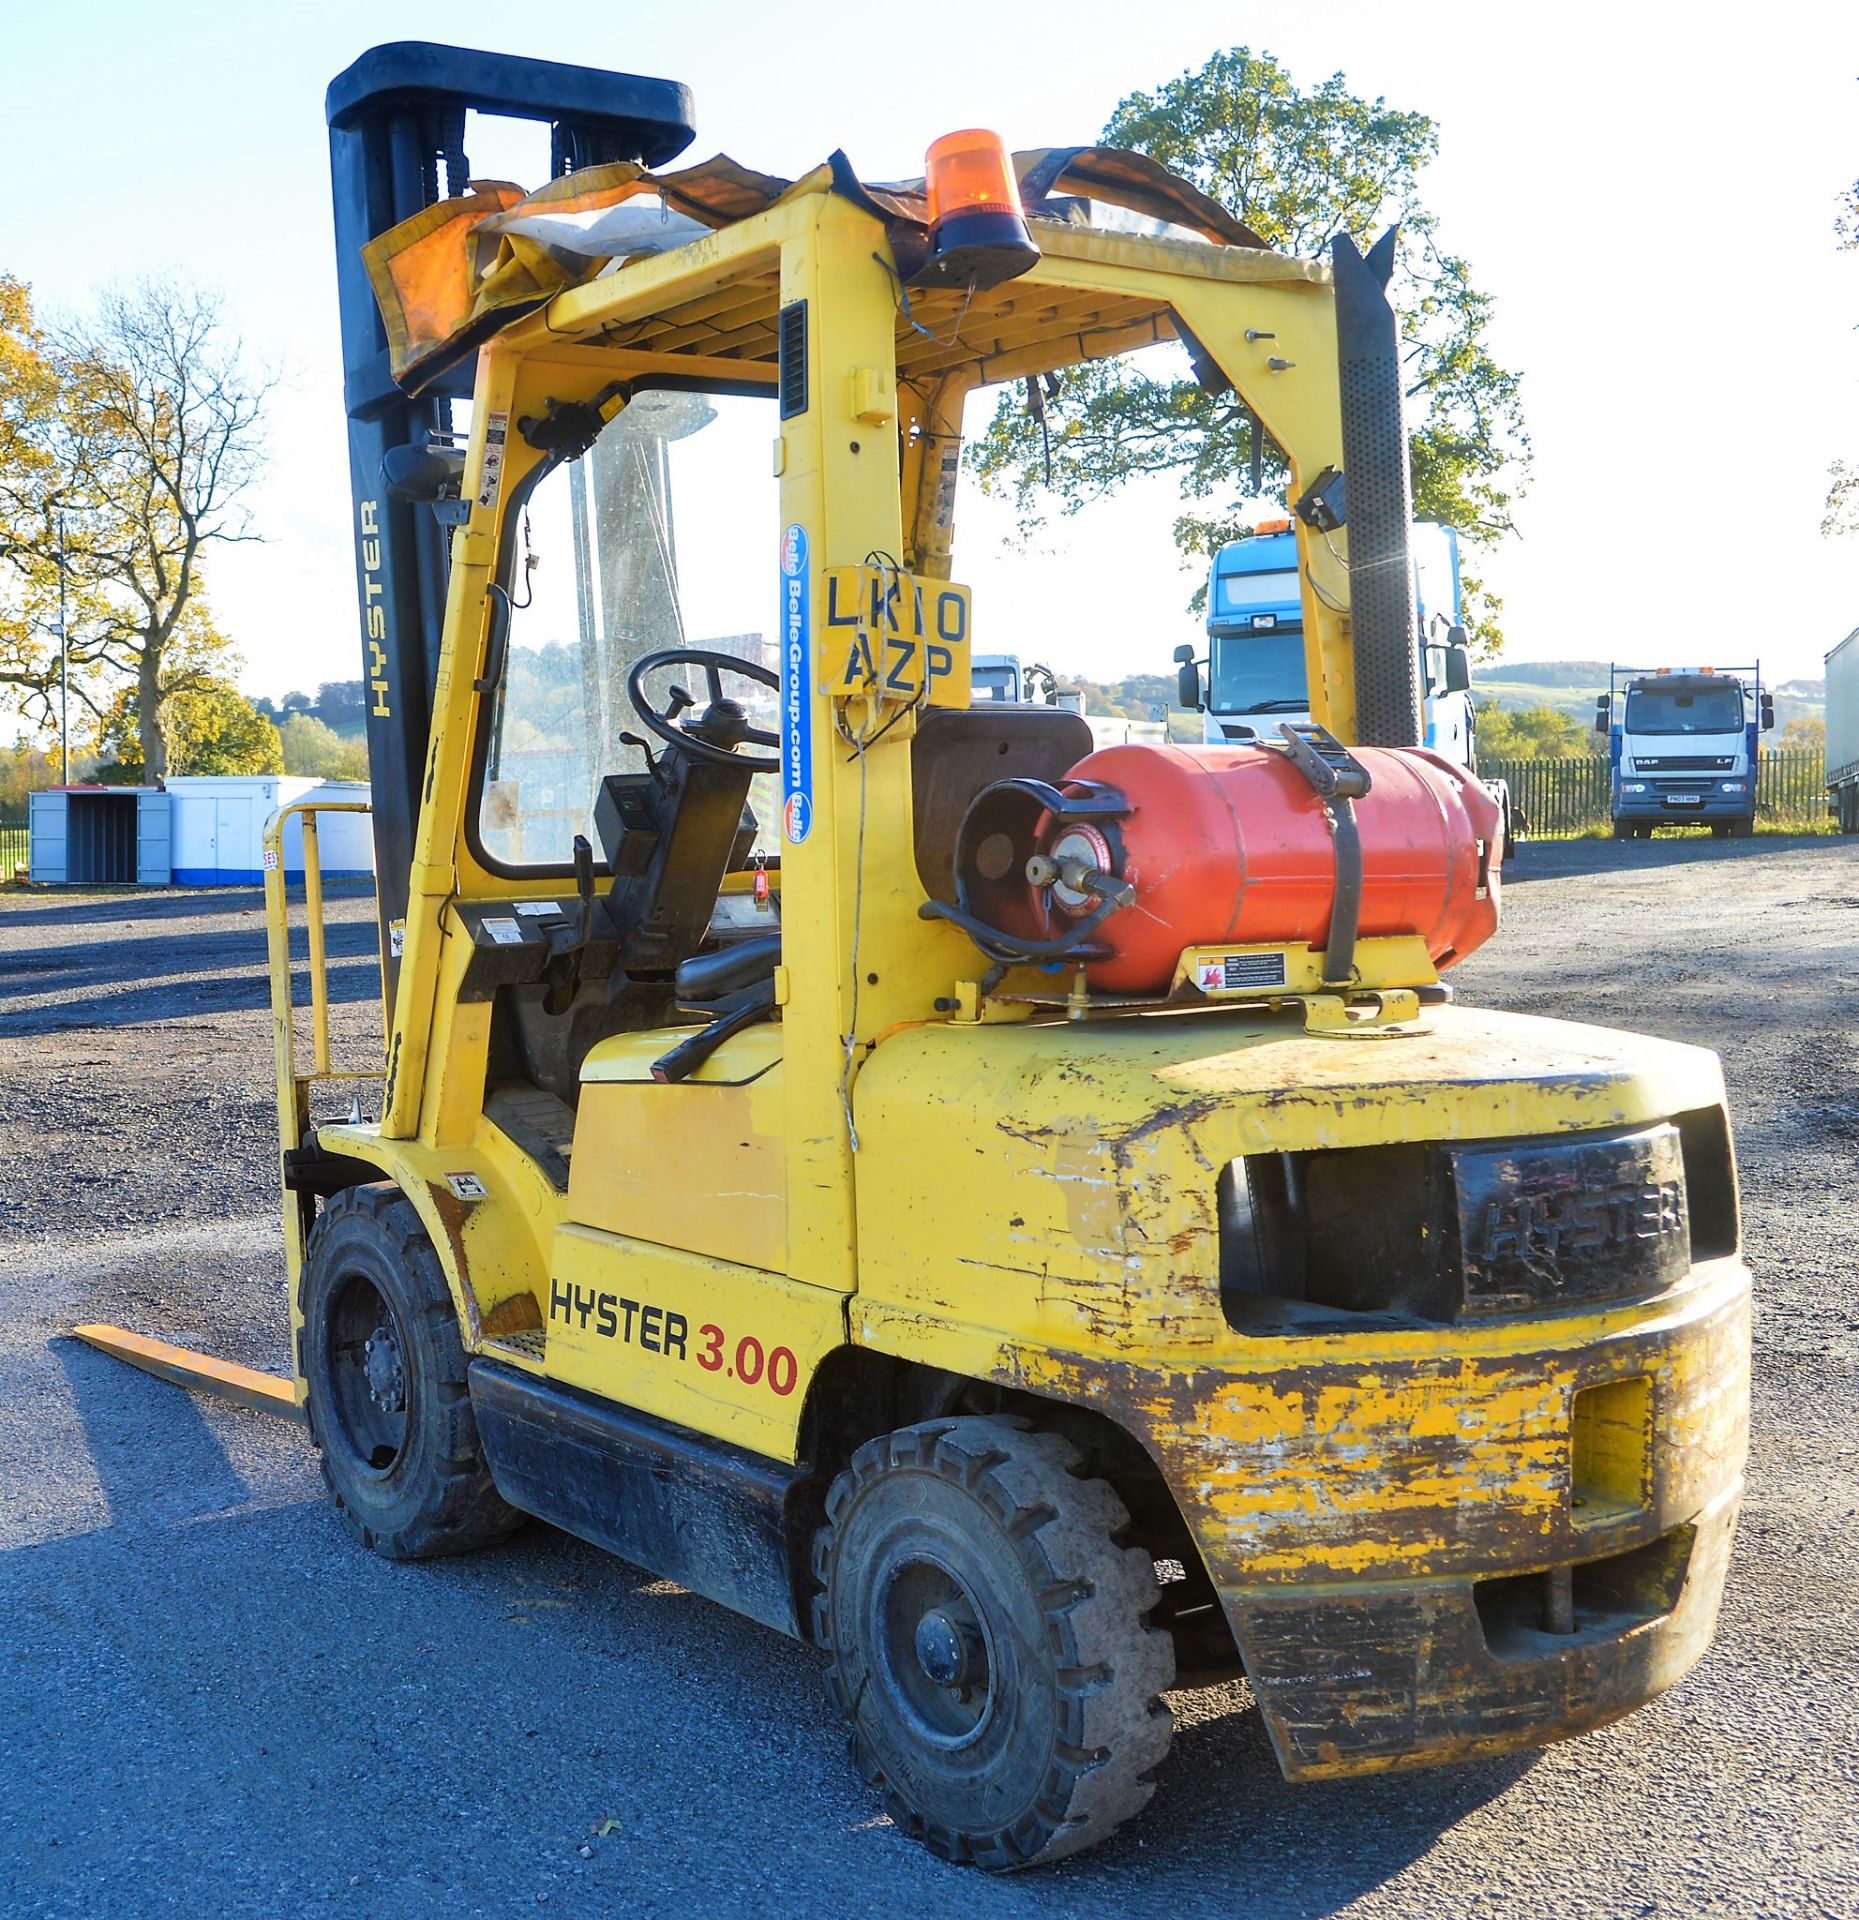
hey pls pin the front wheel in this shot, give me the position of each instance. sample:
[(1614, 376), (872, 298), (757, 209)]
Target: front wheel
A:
[(990, 1642), (388, 1399)]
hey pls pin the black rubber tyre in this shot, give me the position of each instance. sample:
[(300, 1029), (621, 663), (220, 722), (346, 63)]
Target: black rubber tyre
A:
[(1721, 829), (989, 1641), (1625, 830), (389, 1406)]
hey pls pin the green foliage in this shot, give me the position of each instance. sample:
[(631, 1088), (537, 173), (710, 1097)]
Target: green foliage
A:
[(1529, 733), (319, 751), (1802, 734), (209, 726), (26, 770), (340, 703), (1298, 166), (1840, 516)]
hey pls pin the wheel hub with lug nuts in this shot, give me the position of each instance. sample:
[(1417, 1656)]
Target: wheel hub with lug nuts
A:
[(950, 1651), (387, 1381)]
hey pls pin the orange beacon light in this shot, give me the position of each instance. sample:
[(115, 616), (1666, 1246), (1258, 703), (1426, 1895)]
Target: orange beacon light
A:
[(978, 235)]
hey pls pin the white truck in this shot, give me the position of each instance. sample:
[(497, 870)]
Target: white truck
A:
[(1000, 676), (1682, 747), (1843, 733), (1252, 679), (1255, 676)]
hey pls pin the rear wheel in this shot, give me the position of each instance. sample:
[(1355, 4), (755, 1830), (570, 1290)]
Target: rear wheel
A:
[(990, 1641), (388, 1402)]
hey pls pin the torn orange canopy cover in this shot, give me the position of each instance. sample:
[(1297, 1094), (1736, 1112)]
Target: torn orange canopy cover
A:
[(458, 272)]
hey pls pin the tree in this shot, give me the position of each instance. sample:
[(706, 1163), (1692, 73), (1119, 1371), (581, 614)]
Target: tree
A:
[(36, 500), (208, 727), (26, 770), (312, 748), (1802, 734), (1298, 167), (1841, 513), (1529, 733), (339, 703), (158, 433)]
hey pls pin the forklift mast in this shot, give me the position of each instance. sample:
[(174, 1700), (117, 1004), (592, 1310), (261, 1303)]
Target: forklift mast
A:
[(396, 146)]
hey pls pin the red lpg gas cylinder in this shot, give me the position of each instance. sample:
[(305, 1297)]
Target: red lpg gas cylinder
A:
[(1231, 846)]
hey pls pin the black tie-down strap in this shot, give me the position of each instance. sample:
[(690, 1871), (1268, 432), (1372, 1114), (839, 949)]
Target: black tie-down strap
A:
[(1339, 780)]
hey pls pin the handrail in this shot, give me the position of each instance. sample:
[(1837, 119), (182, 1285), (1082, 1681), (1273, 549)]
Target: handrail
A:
[(278, 930), (294, 1087)]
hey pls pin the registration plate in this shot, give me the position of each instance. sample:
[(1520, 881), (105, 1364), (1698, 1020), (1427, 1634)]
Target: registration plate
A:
[(1684, 799)]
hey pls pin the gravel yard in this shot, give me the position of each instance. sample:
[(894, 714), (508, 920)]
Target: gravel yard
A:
[(211, 1701)]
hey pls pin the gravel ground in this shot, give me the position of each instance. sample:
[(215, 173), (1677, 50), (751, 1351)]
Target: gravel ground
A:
[(210, 1701)]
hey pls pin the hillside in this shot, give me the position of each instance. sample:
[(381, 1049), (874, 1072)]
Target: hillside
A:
[(1572, 687)]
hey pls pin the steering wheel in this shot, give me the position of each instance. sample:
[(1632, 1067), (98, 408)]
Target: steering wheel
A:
[(714, 665)]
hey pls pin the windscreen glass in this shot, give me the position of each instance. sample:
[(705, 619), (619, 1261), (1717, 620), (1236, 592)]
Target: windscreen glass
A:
[(662, 535), (1669, 710), (1258, 673)]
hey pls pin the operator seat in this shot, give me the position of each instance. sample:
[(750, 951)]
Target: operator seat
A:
[(957, 751)]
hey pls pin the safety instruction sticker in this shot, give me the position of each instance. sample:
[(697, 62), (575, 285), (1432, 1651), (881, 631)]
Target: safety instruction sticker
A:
[(538, 909), (490, 475), (895, 636), (1236, 972), (506, 933), (466, 1186), (796, 695)]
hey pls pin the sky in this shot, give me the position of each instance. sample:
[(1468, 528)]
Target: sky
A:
[(1647, 191)]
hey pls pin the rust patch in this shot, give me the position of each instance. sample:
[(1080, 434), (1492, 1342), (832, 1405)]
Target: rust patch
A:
[(516, 1313), (1364, 1468), (453, 1213)]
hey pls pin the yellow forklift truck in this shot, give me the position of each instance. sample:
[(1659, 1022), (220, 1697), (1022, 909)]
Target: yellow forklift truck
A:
[(1031, 1224)]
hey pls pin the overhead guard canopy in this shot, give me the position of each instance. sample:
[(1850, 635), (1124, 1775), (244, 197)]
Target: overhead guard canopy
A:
[(460, 271)]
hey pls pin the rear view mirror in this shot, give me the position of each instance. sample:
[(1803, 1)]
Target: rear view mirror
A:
[(1768, 711), (1600, 713), (1458, 668), (1188, 685)]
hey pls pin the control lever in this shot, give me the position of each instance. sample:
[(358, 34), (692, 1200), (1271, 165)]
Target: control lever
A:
[(733, 1012), (645, 746), (567, 945)]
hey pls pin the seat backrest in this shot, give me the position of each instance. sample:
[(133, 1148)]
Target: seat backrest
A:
[(959, 750)]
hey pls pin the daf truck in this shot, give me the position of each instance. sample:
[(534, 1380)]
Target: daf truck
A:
[(1682, 747)]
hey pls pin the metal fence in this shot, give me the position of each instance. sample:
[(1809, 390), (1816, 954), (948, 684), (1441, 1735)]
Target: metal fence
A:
[(1564, 798), (13, 839), (1791, 790), (1558, 798)]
